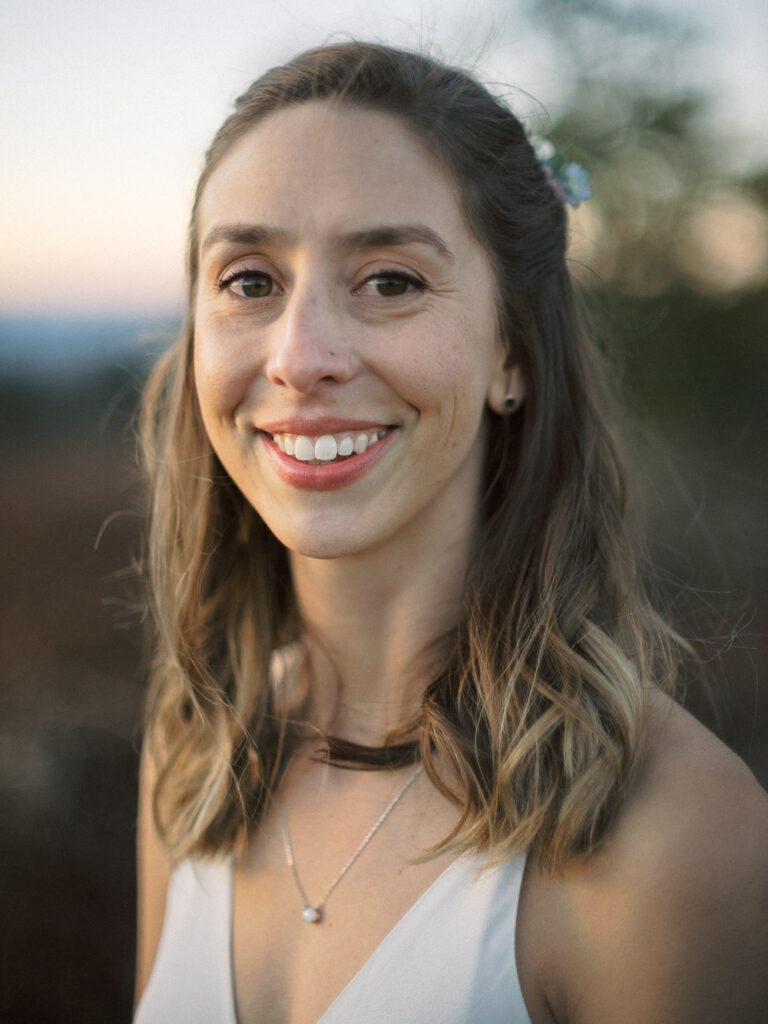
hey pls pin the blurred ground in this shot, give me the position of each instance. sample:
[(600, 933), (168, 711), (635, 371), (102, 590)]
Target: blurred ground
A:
[(69, 706)]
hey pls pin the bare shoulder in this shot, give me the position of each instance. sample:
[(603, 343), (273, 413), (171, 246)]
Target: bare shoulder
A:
[(700, 808), (695, 788), (669, 920), (153, 874)]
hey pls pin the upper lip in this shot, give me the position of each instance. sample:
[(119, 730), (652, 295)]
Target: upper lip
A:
[(316, 426)]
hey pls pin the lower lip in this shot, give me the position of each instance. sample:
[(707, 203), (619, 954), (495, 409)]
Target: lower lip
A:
[(329, 477)]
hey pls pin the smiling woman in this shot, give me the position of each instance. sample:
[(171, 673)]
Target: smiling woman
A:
[(363, 316), (391, 533)]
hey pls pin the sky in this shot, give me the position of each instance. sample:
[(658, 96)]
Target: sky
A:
[(108, 107)]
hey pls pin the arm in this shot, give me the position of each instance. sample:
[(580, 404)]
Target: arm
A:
[(672, 926), (689, 944), (153, 873), (668, 922)]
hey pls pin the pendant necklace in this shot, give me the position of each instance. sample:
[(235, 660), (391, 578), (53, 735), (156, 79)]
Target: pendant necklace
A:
[(313, 913)]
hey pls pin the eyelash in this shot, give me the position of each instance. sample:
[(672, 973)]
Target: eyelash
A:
[(395, 275), (238, 275)]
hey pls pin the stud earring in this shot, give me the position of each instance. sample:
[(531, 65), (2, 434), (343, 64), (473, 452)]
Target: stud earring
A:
[(509, 402), (333, 352)]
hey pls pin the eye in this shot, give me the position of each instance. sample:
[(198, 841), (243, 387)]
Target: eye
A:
[(390, 285), (249, 284)]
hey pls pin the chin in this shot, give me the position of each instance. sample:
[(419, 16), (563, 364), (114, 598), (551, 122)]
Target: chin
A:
[(316, 542), (323, 554)]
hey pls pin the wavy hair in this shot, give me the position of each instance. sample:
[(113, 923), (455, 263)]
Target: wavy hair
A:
[(538, 704)]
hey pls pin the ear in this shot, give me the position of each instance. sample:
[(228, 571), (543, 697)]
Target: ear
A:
[(506, 391)]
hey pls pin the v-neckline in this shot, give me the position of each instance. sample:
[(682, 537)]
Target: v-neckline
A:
[(389, 937), (365, 967)]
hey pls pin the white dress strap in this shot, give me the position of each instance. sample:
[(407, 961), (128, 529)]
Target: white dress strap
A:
[(191, 978)]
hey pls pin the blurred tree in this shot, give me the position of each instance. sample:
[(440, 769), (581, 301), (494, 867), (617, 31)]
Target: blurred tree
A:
[(673, 244), (672, 253), (666, 213)]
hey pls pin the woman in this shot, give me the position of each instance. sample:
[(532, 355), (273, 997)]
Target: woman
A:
[(390, 532)]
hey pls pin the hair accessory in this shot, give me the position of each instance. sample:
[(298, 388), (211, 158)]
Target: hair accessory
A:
[(313, 913), (570, 181), (509, 402)]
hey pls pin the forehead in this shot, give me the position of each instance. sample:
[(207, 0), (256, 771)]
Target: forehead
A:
[(323, 167)]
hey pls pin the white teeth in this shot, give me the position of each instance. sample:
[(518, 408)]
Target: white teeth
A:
[(304, 450), (327, 447)]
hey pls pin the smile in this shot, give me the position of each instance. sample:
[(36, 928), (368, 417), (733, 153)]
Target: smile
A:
[(325, 448)]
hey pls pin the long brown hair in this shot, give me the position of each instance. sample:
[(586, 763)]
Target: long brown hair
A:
[(539, 702)]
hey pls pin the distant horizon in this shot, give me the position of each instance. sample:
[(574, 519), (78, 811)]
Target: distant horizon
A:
[(44, 344), (149, 313)]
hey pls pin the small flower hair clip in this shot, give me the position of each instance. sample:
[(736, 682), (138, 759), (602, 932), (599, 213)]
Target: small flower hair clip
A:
[(569, 181)]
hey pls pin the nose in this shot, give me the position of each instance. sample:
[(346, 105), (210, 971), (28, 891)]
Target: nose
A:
[(307, 347)]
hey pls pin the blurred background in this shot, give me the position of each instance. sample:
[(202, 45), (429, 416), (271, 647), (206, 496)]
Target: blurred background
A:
[(107, 110)]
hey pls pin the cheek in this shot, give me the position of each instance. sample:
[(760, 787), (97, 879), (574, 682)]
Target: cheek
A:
[(221, 378), (449, 378), (209, 388)]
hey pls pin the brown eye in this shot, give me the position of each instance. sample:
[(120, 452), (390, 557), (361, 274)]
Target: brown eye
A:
[(252, 286), (249, 284), (391, 286)]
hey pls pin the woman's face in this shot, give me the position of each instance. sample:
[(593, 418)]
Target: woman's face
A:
[(345, 333)]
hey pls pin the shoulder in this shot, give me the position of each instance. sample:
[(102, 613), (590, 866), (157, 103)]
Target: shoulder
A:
[(693, 800), (669, 920)]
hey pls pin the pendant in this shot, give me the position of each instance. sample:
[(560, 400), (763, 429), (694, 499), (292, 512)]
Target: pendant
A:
[(312, 915)]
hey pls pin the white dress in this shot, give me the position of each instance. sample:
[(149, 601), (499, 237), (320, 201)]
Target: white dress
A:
[(449, 960)]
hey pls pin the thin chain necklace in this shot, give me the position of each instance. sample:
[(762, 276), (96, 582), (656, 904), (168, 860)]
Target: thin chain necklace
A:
[(313, 913)]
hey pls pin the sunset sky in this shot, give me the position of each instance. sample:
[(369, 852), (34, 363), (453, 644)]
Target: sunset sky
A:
[(108, 106)]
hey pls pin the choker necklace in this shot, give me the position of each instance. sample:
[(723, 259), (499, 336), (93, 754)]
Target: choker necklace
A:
[(313, 913)]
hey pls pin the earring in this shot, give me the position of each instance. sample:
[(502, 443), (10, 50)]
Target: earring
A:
[(509, 402)]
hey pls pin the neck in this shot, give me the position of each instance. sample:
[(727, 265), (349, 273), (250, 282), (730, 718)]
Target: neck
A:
[(373, 625)]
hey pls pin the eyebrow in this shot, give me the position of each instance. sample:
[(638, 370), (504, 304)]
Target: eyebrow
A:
[(368, 238), (401, 234), (245, 234)]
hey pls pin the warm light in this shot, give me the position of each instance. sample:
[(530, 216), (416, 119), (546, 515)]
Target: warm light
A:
[(725, 246), (586, 244)]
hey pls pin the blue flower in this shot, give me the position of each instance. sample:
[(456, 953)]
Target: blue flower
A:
[(575, 181)]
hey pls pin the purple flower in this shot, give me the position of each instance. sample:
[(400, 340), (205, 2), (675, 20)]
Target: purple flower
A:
[(556, 185)]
